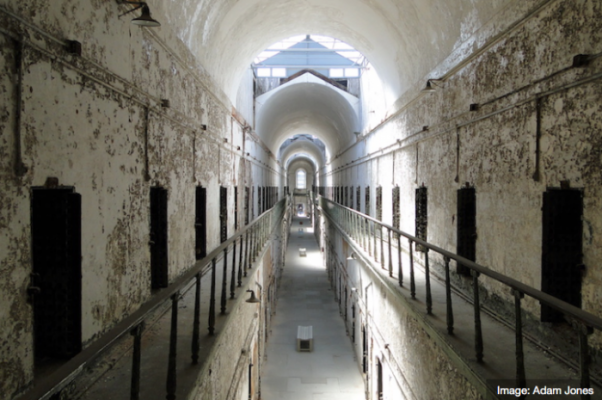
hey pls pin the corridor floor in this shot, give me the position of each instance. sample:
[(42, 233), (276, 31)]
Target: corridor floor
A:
[(306, 298)]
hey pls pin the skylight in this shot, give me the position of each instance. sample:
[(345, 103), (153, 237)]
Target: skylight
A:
[(334, 44)]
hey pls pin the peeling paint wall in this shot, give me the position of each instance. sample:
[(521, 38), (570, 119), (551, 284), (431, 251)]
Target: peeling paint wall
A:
[(97, 123), (435, 139)]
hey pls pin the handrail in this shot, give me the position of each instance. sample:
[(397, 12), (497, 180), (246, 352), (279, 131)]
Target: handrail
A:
[(252, 239), (358, 226)]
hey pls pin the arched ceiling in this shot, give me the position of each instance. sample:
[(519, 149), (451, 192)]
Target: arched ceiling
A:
[(403, 39), (307, 108), (301, 146)]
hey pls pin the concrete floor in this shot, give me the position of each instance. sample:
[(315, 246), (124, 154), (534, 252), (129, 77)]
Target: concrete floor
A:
[(305, 298)]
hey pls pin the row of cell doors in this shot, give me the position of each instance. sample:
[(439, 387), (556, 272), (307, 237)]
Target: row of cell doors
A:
[(55, 290), (562, 232)]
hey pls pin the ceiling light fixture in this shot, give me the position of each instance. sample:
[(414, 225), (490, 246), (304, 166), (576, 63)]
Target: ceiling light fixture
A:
[(143, 20)]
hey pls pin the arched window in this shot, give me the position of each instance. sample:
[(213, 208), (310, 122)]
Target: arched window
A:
[(301, 179)]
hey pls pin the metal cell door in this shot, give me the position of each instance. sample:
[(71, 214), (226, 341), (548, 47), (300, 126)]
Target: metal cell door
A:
[(158, 238), (56, 283), (421, 215), (466, 227), (200, 223), (246, 205), (561, 256), (223, 214)]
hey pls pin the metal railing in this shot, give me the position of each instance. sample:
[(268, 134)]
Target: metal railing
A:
[(249, 241), (368, 234)]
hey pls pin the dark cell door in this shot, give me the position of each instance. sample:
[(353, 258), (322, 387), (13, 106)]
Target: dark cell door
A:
[(396, 208), (561, 249), (223, 214), (351, 203), (246, 205), (258, 200), (56, 251), (421, 215), (358, 199), (200, 223), (379, 203), (367, 205), (235, 208), (364, 350), (158, 238), (379, 380), (466, 227)]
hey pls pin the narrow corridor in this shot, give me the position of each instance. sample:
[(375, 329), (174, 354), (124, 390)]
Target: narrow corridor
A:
[(306, 298)]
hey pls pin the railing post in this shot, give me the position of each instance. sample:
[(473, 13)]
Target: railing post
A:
[(233, 277), (196, 325), (375, 255), (412, 281), (173, 343), (246, 266), (399, 267), (521, 379), (478, 334), (212, 299), (427, 277), (390, 254), (584, 358), (382, 247), (224, 295), (448, 298), (135, 386), (240, 263)]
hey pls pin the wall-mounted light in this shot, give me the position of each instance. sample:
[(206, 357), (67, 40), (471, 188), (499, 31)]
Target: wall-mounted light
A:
[(431, 85), (145, 18), (252, 299)]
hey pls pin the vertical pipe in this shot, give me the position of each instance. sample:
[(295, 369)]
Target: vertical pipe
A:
[(427, 278), (233, 277), (135, 385), (196, 325), (412, 281), (240, 262), (478, 334), (399, 267), (212, 299), (521, 379), (224, 295), (448, 299), (173, 343), (20, 168)]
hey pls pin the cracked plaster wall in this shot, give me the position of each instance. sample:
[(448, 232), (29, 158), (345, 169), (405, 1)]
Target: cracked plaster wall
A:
[(497, 152), (83, 121)]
